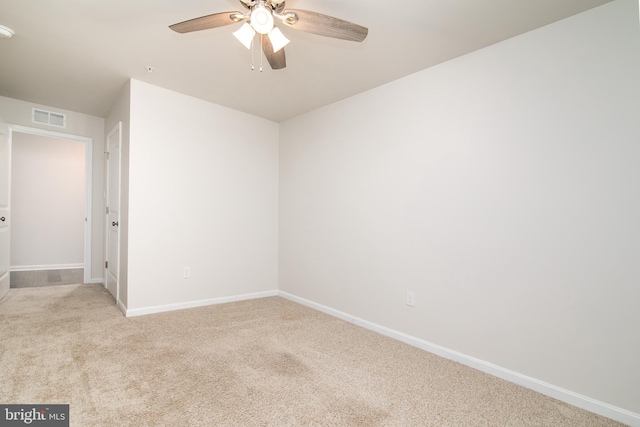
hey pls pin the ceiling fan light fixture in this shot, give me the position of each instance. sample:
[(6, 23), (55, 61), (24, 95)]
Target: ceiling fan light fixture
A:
[(259, 17), (245, 35), (262, 19), (278, 40), (6, 32)]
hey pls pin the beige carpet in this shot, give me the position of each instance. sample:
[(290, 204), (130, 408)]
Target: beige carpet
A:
[(266, 362)]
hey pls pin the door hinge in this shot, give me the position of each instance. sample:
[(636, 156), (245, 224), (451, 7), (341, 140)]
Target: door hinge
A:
[(106, 209), (106, 153), (106, 264)]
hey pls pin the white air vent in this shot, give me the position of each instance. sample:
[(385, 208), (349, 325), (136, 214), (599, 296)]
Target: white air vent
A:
[(48, 118)]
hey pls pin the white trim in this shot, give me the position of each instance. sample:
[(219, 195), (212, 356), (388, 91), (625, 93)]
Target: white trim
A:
[(5, 276), (46, 267), (122, 307), (201, 303), (88, 154), (50, 133), (95, 281), (568, 396)]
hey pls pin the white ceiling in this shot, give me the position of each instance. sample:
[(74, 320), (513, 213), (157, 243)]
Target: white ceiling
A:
[(78, 54)]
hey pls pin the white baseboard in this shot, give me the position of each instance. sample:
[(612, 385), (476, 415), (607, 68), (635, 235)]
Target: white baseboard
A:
[(201, 303), (568, 396), (95, 281), (45, 267), (122, 307)]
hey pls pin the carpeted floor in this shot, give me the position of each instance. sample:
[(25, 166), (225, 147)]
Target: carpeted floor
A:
[(42, 278), (266, 362)]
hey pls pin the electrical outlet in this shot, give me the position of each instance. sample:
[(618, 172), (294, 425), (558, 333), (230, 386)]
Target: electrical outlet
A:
[(186, 272), (411, 299)]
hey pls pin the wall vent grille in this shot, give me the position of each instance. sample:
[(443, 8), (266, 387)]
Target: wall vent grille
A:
[(48, 118)]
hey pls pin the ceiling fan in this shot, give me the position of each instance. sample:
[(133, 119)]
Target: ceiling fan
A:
[(260, 18)]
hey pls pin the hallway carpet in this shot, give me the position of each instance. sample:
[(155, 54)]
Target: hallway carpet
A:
[(42, 278), (263, 362)]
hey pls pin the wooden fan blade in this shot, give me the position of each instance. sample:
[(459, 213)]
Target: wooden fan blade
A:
[(325, 25), (277, 60), (207, 22)]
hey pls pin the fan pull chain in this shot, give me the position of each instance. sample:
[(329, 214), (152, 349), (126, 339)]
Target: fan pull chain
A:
[(261, 55), (253, 45)]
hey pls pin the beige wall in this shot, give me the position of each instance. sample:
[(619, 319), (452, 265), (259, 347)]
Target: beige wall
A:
[(47, 202), (501, 188), (18, 112), (203, 193)]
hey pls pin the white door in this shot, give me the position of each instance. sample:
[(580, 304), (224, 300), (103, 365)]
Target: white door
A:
[(112, 216), (5, 197)]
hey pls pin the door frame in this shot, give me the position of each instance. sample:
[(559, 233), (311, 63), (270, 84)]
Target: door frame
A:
[(117, 129), (88, 182), (5, 276)]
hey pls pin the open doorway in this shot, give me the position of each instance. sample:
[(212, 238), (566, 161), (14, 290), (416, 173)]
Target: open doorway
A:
[(50, 204)]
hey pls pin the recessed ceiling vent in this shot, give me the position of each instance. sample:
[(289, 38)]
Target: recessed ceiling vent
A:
[(48, 118)]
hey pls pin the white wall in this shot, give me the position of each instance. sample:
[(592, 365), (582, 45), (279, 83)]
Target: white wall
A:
[(47, 202), (203, 193), (500, 187), (18, 112)]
